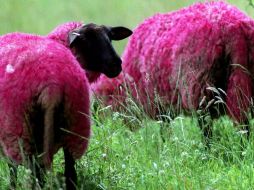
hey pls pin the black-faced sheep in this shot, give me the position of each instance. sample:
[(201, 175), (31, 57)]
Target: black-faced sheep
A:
[(183, 57), (45, 93)]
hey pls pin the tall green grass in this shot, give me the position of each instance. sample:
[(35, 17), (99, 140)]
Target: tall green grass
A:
[(119, 158)]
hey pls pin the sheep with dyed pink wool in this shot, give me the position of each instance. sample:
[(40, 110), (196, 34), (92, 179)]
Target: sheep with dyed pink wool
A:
[(60, 35), (188, 58), (44, 93)]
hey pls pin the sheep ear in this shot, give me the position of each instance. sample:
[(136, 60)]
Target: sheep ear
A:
[(72, 37), (119, 32)]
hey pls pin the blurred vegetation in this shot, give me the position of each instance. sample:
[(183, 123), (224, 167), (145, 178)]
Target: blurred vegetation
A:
[(41, 16), (118, 158)]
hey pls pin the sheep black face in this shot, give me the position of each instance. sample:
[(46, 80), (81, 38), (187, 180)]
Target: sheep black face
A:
[(92, 47)]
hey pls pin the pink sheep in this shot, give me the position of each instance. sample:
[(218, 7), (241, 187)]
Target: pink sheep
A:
[(60, 35), (179, 56), (45, 93)]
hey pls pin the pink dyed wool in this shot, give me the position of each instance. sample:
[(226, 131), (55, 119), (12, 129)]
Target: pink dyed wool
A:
[(176, 56), (60, 35), (31, 78)]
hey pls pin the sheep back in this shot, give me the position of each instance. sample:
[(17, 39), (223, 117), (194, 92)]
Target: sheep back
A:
[(176, 56), (60, 33), (38, 71)]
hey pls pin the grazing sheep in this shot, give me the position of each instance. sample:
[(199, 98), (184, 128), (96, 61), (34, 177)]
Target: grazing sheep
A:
[(45, 94), (182, 57), (60, 34)]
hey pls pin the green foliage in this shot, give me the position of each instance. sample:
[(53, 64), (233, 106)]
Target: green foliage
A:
[(119, 158)]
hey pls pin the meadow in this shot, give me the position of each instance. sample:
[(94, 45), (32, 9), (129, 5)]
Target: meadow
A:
[(120, 158)]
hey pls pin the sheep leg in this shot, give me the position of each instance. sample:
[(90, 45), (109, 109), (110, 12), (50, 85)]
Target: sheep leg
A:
[(70, 172), (13, 175), (44, 146), (38, 170), (39, 173), (208, 111), (165, 117), (205, 116), (165, 130), (205, 126), (49, 99), (48, 140), (43, 132)]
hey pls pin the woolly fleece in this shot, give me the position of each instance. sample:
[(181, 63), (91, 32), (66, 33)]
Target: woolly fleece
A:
[(60, 35), (34, 69), (178, 55)]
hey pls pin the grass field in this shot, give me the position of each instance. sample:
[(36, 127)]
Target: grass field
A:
[(119, 158)]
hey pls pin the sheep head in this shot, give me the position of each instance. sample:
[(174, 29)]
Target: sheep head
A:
[(92, 47)]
